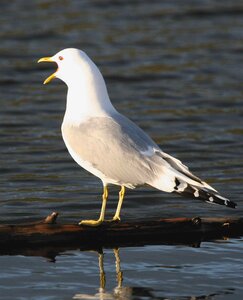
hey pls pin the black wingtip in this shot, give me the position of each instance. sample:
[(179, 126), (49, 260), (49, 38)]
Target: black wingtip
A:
[(218, 199), (204, 194), (225, 201), (231, 204)]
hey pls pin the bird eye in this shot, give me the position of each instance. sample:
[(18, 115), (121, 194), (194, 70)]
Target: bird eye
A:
[(60, 58)]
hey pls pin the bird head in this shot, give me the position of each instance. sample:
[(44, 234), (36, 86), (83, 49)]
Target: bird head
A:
[(70, 62)]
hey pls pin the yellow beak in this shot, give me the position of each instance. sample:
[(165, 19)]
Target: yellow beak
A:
[(52, 76)]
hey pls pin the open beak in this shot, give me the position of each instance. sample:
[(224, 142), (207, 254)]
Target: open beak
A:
[(52, 76)]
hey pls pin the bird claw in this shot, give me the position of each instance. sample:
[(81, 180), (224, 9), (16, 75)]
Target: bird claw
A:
[(95, 223), (114, 220), (91, 223)]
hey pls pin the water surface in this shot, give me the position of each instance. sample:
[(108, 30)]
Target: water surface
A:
[(175, 69)]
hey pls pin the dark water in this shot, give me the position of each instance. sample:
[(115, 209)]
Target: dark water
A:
[(175, 68)]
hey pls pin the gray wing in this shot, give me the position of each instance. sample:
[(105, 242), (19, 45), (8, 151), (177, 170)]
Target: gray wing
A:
[(146, 146), (137, 138), (113, 145)]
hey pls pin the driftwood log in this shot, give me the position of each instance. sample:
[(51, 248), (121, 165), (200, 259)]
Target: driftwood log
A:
[(45, 237)]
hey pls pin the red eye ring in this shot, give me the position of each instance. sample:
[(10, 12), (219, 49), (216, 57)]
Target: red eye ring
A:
[(60, 58)]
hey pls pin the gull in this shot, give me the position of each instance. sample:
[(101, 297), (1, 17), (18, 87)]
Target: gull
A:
[(112, 147)]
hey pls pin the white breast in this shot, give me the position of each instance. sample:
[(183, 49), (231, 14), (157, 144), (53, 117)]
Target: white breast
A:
[(87, 165)]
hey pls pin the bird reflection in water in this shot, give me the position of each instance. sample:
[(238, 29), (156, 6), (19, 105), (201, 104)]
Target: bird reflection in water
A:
[(119, 291)]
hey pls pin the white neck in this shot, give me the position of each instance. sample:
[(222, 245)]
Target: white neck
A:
[(87, 95)]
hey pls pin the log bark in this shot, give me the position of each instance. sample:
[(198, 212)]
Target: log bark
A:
[(45, 236)]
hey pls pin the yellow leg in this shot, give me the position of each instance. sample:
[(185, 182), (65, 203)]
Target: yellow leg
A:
[(118, 268), (102, 273), (102, 212), (119, 205)]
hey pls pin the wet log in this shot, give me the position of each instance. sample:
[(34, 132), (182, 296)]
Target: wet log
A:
[(47, 234)]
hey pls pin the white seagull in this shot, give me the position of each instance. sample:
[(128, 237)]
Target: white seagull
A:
[(110, 146)]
